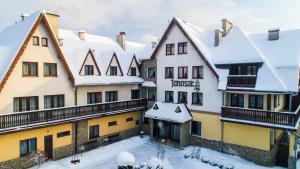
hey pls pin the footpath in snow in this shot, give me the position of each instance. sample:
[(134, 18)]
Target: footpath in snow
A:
[(105, 157)]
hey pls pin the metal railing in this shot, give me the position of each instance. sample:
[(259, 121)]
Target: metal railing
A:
[(68, 113), (262, 116)]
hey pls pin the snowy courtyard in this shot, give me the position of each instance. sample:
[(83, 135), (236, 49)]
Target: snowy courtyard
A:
[(143, 149)]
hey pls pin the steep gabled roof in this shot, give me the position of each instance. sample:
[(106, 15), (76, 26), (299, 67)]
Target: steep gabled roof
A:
[(90, 53), (136, 62), (14, 39), (114, 56), (194, 41)]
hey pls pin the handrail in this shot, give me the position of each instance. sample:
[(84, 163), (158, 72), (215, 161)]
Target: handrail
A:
[(66, 113)]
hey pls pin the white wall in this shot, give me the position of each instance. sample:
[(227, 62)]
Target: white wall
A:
[(19, 86), (89, 61), (212, 99), (124, 92)]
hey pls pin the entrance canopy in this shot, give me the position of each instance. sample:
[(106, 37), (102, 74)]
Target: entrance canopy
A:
[(169, 112)]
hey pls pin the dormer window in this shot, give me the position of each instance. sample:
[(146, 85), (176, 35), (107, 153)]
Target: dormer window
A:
[(113, 70), (44, 42), (89, 69), (35, 41), (133, 71)]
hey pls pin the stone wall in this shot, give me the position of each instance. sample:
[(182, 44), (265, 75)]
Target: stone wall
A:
[(203, 142), (291, 163), (82, 133), (185, 136), (19, 163), (62, 152)]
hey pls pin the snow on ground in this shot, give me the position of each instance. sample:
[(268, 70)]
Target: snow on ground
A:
[(105, 157)]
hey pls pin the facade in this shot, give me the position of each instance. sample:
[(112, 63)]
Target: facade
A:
[(235, 87), (62, 90)]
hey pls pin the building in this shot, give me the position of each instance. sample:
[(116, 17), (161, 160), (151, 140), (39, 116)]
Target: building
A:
[(226, 90), (61, 90)]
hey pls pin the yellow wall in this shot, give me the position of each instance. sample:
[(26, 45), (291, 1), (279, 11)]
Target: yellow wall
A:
[(210, 125), (121, 123), (292, 143), (245, 135), (10, 143)]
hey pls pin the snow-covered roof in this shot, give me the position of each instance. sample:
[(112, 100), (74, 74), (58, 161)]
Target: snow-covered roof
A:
[(148, 84), (277, 73), (12, 39), (103, 48), (169, 112)]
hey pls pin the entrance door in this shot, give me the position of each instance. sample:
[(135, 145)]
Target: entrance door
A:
[(48, 146), (175, 132)]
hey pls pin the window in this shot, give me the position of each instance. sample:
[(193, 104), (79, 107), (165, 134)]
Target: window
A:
[(135, 94), (197, 98), (113, 70), (50, 69), (196, 128), (151, 73), (25, 103), (197, 72), (63, 134), (169, 72), (44, 42), (170, 49), (256, 101), (133, 71), (54, 101), (35, 40), (94, 131), (151, 94), (183, 72), (169, 95), (243, 70), (251, 70), (137, 122), (89, 69), (129, 119), (112, 123), (276, 100), (94, 97), (237, 100), (111, 96), (27, 146), (30, 69), (182, 97), (182, 48)]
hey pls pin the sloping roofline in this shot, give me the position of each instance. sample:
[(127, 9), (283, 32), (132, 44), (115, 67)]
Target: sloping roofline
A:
[(137, 63), (94, 60), (42, 18), (114, 55), (164, 37)]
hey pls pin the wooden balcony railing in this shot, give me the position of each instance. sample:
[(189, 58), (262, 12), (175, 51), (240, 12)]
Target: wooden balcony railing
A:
[(241, 81), (69, 113), (261, 117)]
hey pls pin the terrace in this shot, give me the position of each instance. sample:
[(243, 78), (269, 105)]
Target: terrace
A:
[(30, 119)]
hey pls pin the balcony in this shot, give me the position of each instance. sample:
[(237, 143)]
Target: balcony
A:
[(247, 81), (281, 120), (14, 121)]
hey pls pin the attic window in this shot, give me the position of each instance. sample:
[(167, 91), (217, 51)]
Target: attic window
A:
[(89, 69), (44, 42), (133, 71), (113, 70), (35, 41), (178, 110), (155, 107)]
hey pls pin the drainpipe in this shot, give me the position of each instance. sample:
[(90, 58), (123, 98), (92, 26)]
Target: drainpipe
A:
[(290, 103), (222, 123), (76, 125)]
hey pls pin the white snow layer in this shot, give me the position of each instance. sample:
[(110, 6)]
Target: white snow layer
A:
[(125, 159), (167, 112)]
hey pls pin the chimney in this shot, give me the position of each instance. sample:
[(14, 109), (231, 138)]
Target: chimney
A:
[(53, 21), (121, 39), (273, 34), (226, 26), (23, 16), (218, 36), (154, 44), (60, 41), (81, 34)]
